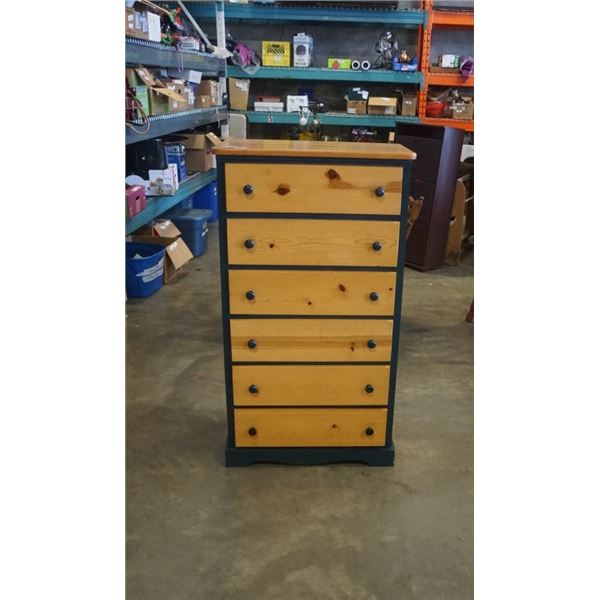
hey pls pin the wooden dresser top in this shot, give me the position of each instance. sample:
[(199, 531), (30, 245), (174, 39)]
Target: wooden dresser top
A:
[(312, 149)]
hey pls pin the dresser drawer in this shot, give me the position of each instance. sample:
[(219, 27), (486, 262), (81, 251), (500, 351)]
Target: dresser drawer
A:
[(303, 188), (311, 340), (368, 293), (325, 242), (306, 427), (310, 385)]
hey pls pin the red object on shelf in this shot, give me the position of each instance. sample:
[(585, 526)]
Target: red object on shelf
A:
[(435, 109)]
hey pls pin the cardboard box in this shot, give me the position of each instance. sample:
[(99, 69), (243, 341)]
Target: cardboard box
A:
[(164, 233), (379, 105), (162, 182), (185, 91), (303, 47), (339, 63), (268, 106), (198, 151), (239, 90), (161, 99), (356, 107), (186, 75), (463, 110), (153, 27), (135, 199), (136, 24), (409, 104), (202, 101), (295, 103), (209, 88)]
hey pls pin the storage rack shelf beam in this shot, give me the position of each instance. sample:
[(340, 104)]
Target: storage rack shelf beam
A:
[(451, 80), (447, 18), (157, 205), (139, 52), (315, 74), (173, 122), (290, 14), (458, 123), (283, 118)]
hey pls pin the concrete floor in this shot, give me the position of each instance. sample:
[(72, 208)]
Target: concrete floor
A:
[(196, 530)]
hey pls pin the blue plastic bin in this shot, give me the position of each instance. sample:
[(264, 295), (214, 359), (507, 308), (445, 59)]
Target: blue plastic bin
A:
[(193, 225), (143, 276), (206, 197)]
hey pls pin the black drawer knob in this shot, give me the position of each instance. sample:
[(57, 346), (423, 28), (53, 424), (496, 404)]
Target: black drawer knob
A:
[(374, 296), (369, 388), (369, 431), (249, 244), (253, 389), (252, 344), (248, 189), (377, 246), (379, 192), (372, 344), (250, 295), (252, 432)]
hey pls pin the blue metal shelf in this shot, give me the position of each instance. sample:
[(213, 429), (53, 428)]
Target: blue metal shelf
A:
[(316, 74), (173, 122), (329, 119), (290, 14), (141, 52), (157, 205)]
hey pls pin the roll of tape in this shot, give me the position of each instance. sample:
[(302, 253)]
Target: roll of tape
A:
[(355, 65), (366, 65)]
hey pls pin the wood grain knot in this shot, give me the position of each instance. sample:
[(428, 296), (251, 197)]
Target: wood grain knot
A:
[(342, 287), (283, 189), (332, 174)]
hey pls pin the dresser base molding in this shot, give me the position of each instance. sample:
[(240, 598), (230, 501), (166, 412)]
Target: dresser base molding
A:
[(374, 457)]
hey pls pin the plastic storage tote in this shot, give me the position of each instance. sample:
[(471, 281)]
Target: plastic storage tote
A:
[(207, 198), (144, 274), (193, 225)]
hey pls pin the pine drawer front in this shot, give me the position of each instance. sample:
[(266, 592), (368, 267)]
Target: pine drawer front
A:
[(310, 385), (311, 340), (310, 188), (363, 293), (308, 242), (309, 427)]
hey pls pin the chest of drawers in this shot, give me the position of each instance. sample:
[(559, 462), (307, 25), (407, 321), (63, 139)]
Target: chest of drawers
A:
[(312, 243)]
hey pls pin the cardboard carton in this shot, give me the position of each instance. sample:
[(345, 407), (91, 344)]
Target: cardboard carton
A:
[(198, 151), (186, 75), (409, 104), (202, 101), (136, 24), (210, 88), (162, 182), (161, 99), (356, 107), (463, 110), (166, 234), (295, 103), (379, 105), (135, 198), (239, 90)]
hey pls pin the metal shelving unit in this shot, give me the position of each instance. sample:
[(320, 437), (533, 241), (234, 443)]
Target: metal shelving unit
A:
[(441, 18), (316, 74), (173, 122), (283, 118), (291, 14), (141, 52), (157, 205)]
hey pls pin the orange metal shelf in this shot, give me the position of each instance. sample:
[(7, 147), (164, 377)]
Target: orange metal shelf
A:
[(452, 19), (465, 125), (449, 79)]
